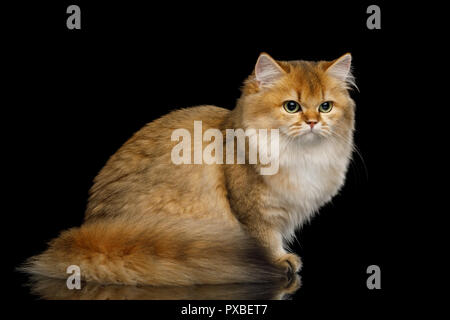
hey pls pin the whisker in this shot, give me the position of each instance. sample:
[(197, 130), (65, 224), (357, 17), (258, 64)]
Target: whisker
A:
[(355, 149)]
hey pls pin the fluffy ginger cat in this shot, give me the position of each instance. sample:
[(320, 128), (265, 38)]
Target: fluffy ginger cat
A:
[(150, 221)]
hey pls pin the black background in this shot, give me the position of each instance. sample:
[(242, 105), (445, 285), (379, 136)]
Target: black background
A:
[(78, 95)]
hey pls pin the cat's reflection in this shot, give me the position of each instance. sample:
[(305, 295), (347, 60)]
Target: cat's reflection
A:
[(55, 289)]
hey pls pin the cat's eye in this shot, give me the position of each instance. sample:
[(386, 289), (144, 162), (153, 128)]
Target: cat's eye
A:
[(326, 106), (291, 106)]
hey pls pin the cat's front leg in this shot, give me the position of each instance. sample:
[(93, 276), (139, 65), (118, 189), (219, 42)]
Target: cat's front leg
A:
[(289, 261), (273, 241)]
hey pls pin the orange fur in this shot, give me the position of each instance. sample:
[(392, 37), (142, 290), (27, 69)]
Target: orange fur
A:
[(156, 253)]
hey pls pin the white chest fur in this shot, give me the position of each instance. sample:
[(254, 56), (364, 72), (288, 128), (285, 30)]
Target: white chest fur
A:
[(309, 176)]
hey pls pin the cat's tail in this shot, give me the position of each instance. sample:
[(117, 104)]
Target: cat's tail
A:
[(185, 253)]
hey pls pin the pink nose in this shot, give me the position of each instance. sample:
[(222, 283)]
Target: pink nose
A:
[(311, 123)]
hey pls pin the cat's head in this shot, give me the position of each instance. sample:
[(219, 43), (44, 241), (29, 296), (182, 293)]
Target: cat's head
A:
[(307, 101)]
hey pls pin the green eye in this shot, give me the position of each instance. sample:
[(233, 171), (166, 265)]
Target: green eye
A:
[(291, 106), (326, 107)]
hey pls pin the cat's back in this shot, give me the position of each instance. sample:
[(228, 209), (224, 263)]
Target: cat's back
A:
[(142, 173), (210, 116), (155, 138), (158, 138)]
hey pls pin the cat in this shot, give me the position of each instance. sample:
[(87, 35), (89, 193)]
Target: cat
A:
[(152, 222)]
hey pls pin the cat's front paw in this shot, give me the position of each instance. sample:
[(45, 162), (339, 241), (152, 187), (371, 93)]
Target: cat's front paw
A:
[(291, 263)]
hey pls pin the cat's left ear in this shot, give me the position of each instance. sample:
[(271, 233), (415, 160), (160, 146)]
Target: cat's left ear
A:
[(341, 69), (267, 70)]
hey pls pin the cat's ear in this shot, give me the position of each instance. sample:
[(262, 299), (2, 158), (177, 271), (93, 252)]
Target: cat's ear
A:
[(267, 70), (341, 69)]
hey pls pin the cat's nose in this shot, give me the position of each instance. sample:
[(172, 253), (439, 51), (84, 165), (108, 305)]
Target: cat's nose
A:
[(311, 123)]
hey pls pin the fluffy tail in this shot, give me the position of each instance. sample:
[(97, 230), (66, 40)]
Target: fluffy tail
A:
[(185, 253)]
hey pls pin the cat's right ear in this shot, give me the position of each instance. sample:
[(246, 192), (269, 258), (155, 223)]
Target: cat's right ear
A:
[(267, 70)]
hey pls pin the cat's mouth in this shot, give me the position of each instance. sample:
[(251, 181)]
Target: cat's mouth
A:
[(310, 132), (309, 135)]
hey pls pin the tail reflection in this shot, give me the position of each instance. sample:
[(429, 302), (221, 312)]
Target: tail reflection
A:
[(56, 289)]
